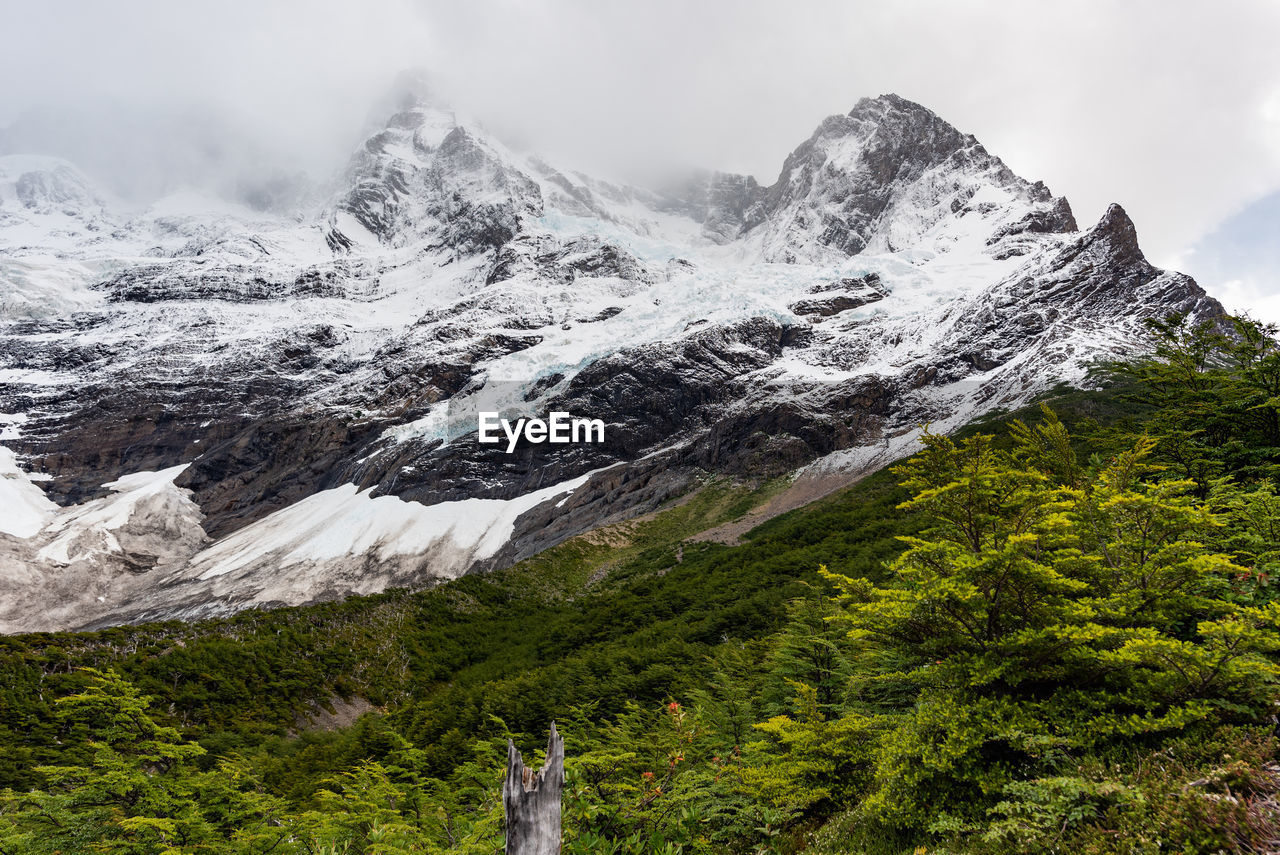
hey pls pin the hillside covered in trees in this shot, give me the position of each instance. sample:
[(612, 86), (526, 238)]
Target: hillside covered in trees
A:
[(1057, 632)]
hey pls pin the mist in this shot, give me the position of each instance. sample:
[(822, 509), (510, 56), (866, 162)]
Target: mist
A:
[(1170, 108)]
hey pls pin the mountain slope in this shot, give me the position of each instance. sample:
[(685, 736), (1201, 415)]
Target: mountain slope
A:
[(307, 390)]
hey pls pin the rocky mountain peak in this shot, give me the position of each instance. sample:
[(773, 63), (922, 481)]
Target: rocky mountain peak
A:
[(1117, 233), (430, 175), (1111, 246), (913, 131), (891, 173)]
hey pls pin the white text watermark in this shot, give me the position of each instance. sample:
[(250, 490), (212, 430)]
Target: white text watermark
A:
[(558, 427)]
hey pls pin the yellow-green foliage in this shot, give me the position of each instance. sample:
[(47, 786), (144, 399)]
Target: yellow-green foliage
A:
[(1049, 612)]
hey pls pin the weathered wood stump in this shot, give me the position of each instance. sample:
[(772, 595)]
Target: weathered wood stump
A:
[(532, 802)]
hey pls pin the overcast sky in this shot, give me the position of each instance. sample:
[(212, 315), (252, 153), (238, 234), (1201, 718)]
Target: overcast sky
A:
[(1170, 108)]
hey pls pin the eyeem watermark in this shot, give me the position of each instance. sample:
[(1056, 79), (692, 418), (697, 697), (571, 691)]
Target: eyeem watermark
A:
[(558, 427)]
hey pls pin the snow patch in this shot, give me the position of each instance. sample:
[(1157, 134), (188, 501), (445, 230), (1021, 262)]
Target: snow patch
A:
[(11, 424), (346, 521), (24, 508)]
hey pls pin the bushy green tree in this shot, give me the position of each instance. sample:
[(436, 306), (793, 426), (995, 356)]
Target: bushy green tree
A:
[(1046, 613), (142, 791)]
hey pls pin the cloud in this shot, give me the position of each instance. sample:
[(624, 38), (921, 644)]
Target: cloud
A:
[(188, 90), (1239, 261), (1171, 108)]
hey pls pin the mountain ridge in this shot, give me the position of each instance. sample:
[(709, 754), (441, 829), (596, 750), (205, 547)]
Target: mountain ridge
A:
[(895, 273)]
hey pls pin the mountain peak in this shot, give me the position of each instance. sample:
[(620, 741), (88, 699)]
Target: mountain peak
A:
[(889, 101), (1116, 232), (887, 174), (909, 119)]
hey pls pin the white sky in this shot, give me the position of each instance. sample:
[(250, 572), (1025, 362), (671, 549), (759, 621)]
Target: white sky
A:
[(1171, 108)]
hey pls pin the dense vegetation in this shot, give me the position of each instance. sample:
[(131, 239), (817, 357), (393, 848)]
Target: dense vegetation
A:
[(1057, 634)]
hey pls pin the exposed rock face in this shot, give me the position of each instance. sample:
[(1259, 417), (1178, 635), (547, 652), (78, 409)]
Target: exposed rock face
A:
[(306, 392), (840, 296)]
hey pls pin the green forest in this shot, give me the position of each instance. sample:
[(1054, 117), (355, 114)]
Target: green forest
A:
[(1056, 631)]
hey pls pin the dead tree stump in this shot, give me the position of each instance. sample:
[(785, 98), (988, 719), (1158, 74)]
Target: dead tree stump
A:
[(532, 802)]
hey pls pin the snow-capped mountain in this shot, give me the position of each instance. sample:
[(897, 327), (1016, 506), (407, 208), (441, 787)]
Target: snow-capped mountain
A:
[(207, 408)]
